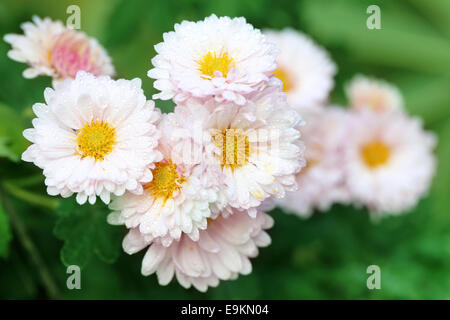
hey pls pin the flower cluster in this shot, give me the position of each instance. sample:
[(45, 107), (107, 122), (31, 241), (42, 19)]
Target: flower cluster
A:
[(373, 154), (191, 186)]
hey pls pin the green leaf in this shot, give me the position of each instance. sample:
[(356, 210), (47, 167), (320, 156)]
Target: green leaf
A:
[(12, 143), (441, 184), (5, 149), (342, 23), (426, 97), (5, 233), (108, 242), (123, 22), (85, 231), (437, 11), (20, 282)]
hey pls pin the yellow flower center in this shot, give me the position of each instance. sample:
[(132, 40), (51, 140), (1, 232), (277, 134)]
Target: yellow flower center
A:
[(165, 180), (235, 147), (211, 63), (375, 154), (96, 139), (281, 74), (377, 103)]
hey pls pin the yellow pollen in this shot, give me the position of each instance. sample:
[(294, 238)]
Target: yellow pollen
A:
[(211, 63), (49, 55), (165, 180), (375, 154), (281, 74), (235, 147), (96, 139), (377, 103)]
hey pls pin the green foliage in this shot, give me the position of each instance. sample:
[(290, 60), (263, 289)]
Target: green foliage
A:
[(85, 231), (441, 185), (12, 143), (324, 257), (426, 67), (5, 233)]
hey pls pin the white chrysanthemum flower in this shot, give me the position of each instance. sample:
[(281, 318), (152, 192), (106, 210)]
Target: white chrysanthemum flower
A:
[(377, 95), (321, 183), (389, 161), (221, 57), (222, 251), (93, 137), (50, 48), (178, 198), (256, 146), (305, 68)]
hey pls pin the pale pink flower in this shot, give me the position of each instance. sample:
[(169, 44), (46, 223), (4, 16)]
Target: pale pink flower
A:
[(221, 58), (178, 198), (321, 183), (222, 251), (305, 68), (256, 147), (389, 161), (94, 136), (50, 48), (377, 95)]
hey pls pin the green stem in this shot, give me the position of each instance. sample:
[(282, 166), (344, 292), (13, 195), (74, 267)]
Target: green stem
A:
[(26, 181), (32, 251), (30, 197)]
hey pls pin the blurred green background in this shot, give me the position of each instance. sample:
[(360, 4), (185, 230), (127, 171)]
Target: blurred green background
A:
[(324, 257)]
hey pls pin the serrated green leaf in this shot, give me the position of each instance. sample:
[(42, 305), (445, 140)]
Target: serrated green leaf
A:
[(5, 233), (107, 244), (85, 231), (76, 231)]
